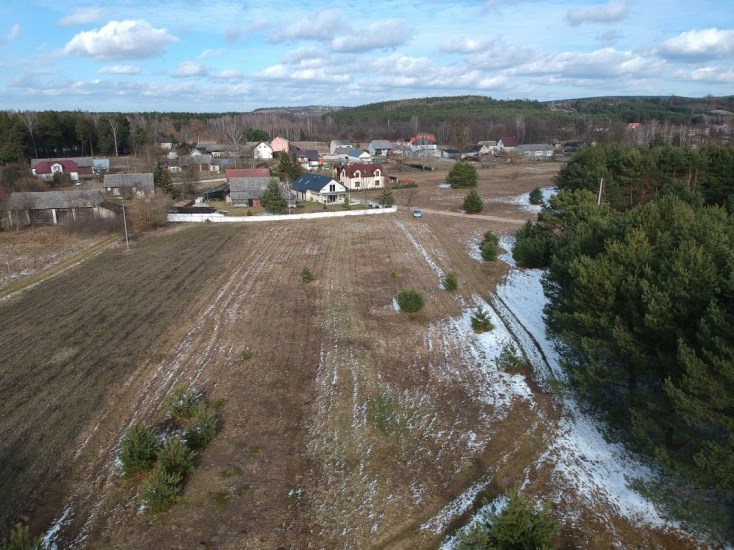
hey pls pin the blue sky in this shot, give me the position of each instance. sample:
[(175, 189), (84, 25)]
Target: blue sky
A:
[(221, 55)]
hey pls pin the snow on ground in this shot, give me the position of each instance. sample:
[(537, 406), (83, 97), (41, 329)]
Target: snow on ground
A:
[(584, 463), (523, 201)]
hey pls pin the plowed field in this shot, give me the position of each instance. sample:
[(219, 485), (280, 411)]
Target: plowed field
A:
[(352, 425)]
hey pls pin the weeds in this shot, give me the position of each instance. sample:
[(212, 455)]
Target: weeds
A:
[(306, 275)]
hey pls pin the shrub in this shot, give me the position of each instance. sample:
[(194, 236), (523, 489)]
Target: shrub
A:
[(174, 457), (20, 539), (480, 321), (473, 202), (451, 282), (183, 403), (149, 212), (536, 196), (347, 205), (410, 301), (306, 275), (161, 491), (139, 449), (202, 430)]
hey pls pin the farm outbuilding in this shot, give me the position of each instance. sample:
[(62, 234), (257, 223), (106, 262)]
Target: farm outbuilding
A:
[(53, 207)]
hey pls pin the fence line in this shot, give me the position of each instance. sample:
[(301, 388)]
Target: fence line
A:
[(218, 217)]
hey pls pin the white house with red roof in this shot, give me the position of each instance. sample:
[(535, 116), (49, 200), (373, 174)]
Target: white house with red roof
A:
[(507, 144), (47, 169), (363, 176)]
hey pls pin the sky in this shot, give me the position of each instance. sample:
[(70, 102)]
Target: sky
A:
[(227, 55)]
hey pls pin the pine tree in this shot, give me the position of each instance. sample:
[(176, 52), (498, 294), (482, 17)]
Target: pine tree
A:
[(386, 198), (462, 175), (272, 198), (473, 203)]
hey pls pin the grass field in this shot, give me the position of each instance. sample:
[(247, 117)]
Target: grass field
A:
[(348, 424)]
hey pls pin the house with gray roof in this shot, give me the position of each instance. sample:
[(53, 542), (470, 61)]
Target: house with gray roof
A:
[(246, 185), (379, 147), (535, 151), (138, 185), (53, 207), (314, 188)]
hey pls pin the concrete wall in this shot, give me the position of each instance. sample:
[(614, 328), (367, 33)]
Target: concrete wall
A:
[(221, 218)]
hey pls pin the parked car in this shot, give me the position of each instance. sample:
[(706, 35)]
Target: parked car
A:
[(417, 213)]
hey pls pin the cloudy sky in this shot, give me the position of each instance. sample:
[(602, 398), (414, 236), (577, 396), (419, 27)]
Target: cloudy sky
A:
[(228, 55)]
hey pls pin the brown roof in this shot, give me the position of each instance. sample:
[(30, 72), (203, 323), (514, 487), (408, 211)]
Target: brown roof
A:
[(247, 173), (364, 169)]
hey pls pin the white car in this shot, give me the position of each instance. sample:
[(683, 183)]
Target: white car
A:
[(417, 213)]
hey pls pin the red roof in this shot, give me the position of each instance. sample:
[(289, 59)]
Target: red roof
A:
[(4, 192), (247, 173), (44, 167), (510, 141), (364, 169)]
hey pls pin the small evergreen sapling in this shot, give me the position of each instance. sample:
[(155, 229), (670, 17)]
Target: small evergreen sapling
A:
[(176, 458), (451, 282), (139, 449), (160, 492), (480, 321), (410, 301)]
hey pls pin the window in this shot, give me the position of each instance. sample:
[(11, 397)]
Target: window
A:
[(332, 188)]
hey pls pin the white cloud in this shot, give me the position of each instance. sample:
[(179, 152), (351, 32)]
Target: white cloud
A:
[(189, 69), (465, 45), (600, 64), (14, 34), (210, 53), (606, 13), (707, 74), (80, 17), (120, 69), (131, 39), (382, 35), (699, 45), (319, 26), (229, 74)]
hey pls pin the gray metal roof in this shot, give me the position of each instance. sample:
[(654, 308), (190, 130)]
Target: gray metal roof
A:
[(247, 188), (41, 200), (141, 181)]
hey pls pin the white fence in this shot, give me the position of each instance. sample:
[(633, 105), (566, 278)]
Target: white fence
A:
[(217, 217)]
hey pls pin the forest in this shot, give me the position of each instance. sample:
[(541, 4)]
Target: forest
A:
[(641, 293), (457, 121)]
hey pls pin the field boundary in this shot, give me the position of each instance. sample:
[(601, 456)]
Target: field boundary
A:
[(221, 218)]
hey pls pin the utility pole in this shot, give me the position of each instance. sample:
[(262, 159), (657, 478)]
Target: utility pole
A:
[(124, 222), (601, 185)]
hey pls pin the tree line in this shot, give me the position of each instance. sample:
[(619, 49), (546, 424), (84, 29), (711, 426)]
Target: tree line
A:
[(641, 292)]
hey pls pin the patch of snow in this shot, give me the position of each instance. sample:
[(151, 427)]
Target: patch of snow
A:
[(523, 201), (494, 507), (583, 460), (49, 539), (438, 523), (395, 305), (444, 186)]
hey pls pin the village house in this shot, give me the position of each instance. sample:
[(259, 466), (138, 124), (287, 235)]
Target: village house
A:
[(536, 151), (280, 145), (246, 185), (138, 185), (507, 144), (47, 169), (379, 147), (309, 159), (262, 151), (339, 144), (363, 176), (315, 188)]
